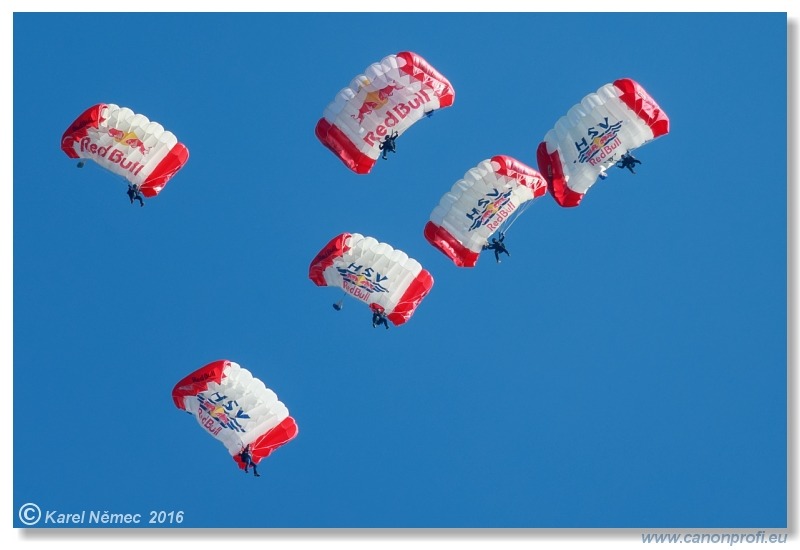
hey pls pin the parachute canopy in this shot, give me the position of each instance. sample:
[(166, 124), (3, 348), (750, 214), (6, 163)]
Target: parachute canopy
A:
[(236, 409), (374, 273), (489, 195), (593, 136), (126, 144), (389, 97)]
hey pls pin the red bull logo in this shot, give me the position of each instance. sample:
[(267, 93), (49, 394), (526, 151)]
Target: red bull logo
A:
[(136, 143), (111, 154), (208, 422), (357, 292), (601, 153), (375, 100), (395, 115), (500, 216), (214, 415), (128, 138), (361, 283), (218, 413)]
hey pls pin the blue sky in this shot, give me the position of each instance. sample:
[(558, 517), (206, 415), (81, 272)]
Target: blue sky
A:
[(626, 368)]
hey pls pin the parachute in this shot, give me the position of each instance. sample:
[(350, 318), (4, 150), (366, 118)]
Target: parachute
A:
[(389, 97), (384, 278), (126, 144), (490, 196), (593, 136), (236, 409)]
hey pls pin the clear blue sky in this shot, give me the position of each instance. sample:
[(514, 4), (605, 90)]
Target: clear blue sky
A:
[(626, 367)]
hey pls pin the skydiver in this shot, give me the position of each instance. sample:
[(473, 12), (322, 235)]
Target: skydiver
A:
[(81, 164), (379, 318), (388, 144), (248, 461), (603, 174), (339, 305), (134, 194), (628, 161), (498, 247)]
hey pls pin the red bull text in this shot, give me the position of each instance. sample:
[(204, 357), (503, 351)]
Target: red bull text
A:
[(208, 422), (501, 215), (111, 154), (401, 110), (604, 152), (357, 292)]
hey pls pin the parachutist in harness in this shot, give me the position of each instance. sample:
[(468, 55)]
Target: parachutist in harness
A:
[(379, 318), (628, 161), (498, 247), (134, 194), (339, 305), (388, 144), (247, 459)]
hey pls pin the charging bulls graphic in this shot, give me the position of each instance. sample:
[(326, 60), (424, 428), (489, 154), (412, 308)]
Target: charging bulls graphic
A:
[(128, 138)]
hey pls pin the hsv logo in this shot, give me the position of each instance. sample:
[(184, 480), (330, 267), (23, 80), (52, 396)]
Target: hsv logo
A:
[(600, 141), (492, 210), (375, 100), (128, 138), (362, 283), (217, 412)]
